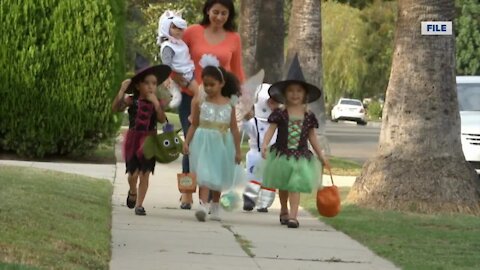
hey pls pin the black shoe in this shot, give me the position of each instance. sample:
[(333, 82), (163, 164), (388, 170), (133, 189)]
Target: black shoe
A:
[(130, 202), (262, 210), (292, 223), (140, 211), (248, 204), (186, 206)]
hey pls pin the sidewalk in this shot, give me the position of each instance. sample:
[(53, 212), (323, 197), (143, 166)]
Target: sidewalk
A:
[(171, 238)]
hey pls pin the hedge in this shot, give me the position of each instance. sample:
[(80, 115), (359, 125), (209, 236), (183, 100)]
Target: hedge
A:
[(62, 63)]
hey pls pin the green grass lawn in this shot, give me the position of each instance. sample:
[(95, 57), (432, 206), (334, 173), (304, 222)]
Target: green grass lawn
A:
[(52, 220), (411, 241)]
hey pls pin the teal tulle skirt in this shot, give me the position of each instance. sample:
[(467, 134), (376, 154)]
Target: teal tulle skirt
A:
[(291, 174), (212, 159)]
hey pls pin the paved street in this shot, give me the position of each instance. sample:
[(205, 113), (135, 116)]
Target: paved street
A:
[(350, 141)]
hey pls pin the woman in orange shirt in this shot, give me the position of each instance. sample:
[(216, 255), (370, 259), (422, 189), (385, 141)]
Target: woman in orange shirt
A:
[(216, 34)]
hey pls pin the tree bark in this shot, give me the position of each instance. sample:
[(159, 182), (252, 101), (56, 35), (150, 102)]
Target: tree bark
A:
[(248, 32), (305, 39), (419, 165), (270, 39)]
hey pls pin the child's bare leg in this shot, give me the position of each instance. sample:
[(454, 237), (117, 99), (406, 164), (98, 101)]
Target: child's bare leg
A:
[(216, 196), (187, 198), (294, 199), (283, 195), (132, 182), (142, 188), (203, 194)]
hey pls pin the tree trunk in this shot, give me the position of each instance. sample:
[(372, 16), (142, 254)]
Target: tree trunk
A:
[(270, 39), (248, 32), (305, 39), (419, 165)]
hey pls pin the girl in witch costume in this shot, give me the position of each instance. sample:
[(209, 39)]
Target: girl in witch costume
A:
[(290, 166), (213, 139), (144, 111), (255, 194)]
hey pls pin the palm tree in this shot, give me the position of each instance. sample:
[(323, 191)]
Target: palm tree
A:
[(305, 39), (270, 39), (248, 31), (419, 165)]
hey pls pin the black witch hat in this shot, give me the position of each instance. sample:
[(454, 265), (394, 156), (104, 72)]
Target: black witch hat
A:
[(294, 76), (142, 67)]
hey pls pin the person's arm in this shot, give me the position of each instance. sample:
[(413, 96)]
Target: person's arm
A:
[(195, 116), (119, 104), (268, 136), (312, 138), (167, 56), (237, 65), (161, 117), (236, 135)]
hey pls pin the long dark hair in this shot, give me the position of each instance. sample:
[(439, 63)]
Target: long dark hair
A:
[(232, 84), (230, 23)]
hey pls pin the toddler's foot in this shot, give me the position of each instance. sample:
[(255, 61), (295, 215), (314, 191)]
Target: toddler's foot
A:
[(215, 212), (201, 213), (262, 210), (140, 211)]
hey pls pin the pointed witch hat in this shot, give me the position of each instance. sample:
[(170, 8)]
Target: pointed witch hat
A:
[(143, 67), (294, 76)]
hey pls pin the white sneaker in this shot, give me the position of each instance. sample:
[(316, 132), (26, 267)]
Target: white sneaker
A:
[(201, 213), (215, 212)]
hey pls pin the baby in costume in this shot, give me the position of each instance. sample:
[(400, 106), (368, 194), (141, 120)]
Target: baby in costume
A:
[(254, 194), (175, 53)]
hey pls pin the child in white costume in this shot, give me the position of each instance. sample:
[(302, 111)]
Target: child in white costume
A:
[(255, 194), (175, 53)]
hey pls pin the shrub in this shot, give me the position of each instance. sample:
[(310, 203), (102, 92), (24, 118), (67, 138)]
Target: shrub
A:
[(374, 110), (62, 64)]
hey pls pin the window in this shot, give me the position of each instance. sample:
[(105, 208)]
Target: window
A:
[(469, 97), (351, 102)]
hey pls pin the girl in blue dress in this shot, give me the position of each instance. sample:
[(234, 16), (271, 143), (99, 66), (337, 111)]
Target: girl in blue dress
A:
[(290, 166), (213, 139)]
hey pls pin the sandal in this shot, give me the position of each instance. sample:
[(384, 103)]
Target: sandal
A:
[(284, 218), (293, 223), (130, 202), (140, 211)]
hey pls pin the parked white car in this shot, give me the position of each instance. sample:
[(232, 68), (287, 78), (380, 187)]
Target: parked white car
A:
[(468, 90), (349, 109)]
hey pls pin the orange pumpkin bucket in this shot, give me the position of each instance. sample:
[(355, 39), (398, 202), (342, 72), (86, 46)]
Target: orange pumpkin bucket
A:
[(328, 200)]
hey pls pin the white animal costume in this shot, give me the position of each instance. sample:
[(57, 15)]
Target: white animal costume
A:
[(174, 52), (256, 127)]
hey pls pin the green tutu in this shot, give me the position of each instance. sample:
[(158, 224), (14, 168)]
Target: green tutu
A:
[(291, 174)]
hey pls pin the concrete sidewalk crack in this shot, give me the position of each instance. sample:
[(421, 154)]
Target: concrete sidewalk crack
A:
[(330, 260), (244, 243)]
